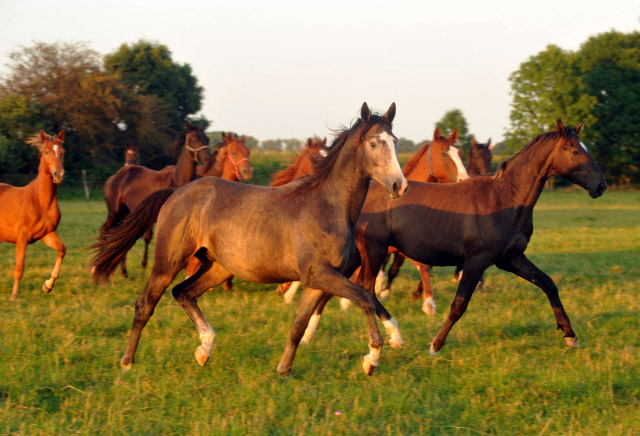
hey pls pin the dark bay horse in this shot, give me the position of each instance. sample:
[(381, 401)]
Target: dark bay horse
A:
[(131, 155), (230, 160), (479, 222), (31, 212), (307, 234), (126, 188), (479, 160)]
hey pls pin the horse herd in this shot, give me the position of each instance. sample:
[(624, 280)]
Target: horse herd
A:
[(336, 212)]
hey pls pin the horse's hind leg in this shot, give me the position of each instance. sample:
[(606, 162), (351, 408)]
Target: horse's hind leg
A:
[(426, 292), (159, 280), (147, 240), (52, 240), (209, 274), (393, 272), (21, 249), (524, 268)]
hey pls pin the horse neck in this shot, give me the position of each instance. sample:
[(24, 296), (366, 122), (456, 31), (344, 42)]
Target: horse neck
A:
[(347, 184), (45, 190), (229, 171), (419, 169), (185, 170), (524, 177)]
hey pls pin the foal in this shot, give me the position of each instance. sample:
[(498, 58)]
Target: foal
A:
[(31, 212), (307, 235)]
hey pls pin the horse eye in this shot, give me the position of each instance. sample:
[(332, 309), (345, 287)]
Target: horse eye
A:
[(373, 145), (575, 151), (444, 154)]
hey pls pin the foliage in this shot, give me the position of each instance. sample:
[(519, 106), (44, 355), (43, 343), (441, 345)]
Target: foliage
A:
[(503, 371), (147, 68), (407, 145), (600, 83), (454, 118)]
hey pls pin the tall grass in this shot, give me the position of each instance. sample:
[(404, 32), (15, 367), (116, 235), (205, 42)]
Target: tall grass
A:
[(503, 371)]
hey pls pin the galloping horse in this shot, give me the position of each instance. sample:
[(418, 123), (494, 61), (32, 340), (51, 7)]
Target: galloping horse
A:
[(230, 160), (131, 155), (307, 235), (31, 212), (126, 188), (479, 222)]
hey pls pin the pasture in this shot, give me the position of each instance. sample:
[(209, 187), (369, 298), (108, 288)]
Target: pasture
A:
[(503, 370)]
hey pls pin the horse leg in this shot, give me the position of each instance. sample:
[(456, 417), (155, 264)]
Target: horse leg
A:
[(306, 306), (147, 240), (123, 266), (472, 272), (428, 304), (21, 249), (290, 290), (209, 274), (52, 240), (523, 267), (159, 280), (312, 325), (393, 272)]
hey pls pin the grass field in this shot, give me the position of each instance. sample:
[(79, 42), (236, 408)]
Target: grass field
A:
[(503, 370)]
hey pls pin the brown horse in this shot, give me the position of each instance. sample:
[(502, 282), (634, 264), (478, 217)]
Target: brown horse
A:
[(126, 188), (302, 165), (230, 160), (131, 155), (31, 212), (479, 160), (307, 235), (482, 221), (437, 162)]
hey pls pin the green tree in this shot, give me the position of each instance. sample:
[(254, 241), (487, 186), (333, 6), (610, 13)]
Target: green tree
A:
[(546, 87), (148, 69), (609, 65), (455, 118), (406, 146)]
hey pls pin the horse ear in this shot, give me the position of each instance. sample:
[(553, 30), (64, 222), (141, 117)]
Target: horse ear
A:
[(436, 134), (560, 126), (309, 143), (391, 112), (454, 135), (580, 126), (489, 142), (324, 141), (242, 139), (474, 143), (61, 135), (365, 113)]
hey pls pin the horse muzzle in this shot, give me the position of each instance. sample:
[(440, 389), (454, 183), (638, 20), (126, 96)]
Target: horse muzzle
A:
[(57, 176), (598, 190), (398, 188)]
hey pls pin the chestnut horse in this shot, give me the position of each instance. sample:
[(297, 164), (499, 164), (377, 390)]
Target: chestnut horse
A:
[(124, 190), (302, 165), (230, 160), (307, 235), (131, 155), (482, 221), (31, 212)]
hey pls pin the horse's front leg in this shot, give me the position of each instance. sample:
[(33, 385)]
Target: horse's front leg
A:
[(425, 290), (21, 249), (52, 240), (524, 268)]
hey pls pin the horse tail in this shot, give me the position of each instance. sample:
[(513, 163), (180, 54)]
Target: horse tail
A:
[(119, 240)]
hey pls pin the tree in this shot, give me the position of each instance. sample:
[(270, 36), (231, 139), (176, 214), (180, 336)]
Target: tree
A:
[(406, 146), (609, 65), (546, 87), (455, 118), (148, 69)]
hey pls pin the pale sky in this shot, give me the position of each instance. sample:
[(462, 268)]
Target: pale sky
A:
[(295, 68)]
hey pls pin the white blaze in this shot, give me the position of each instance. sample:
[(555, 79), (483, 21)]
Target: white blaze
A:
[(55, 150), (454, 153)]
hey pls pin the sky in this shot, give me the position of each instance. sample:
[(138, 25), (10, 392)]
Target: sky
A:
[(297, 68)]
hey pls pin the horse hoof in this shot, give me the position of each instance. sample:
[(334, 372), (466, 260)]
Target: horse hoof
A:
[(570, 342), (201, 356), (45, 288), (368, 367), (384, 295), (283, 371), (396, 344), (432, 351), (125, 366), (429, 306), (13, 297)]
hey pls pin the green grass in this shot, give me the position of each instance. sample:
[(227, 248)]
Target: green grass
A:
[(503, 371)]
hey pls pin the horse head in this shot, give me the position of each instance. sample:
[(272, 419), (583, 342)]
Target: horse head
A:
[(479, 161), (445, 165), (571, 159), (196, 142), (51, 154), (377, 150), (234, 155), (131, 155)]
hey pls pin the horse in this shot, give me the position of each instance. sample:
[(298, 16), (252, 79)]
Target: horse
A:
[(31, 212), (479, 159), (308, 234), (302, 165), (230, 160), (124, 190), (131, 155), (479, 222)]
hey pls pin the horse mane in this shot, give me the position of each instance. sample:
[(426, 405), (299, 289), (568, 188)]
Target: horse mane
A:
[(536, 142), (286, 175), (36, 141), (409, 166)]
